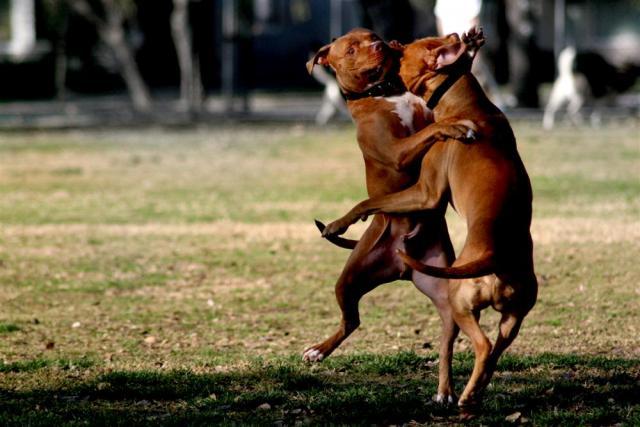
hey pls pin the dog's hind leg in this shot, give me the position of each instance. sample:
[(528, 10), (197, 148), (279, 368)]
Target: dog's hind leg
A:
[(450, 330), (573, 109), (348, 294), (468, 323), (512, 316), (466, 314), (557, 100), (507, 332), (369, 265), (438, 251)]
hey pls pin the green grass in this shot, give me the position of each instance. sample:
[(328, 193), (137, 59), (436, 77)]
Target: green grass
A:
[(6, 328), (174, 277), (361, 389)]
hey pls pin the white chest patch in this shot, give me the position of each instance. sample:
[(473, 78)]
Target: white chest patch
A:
[(405, 106)]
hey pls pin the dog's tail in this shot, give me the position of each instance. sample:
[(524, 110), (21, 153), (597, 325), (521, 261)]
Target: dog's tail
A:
[(341, 242), (477, 268)]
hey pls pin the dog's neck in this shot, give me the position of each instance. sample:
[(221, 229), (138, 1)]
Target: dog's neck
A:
[(390, 86), (464, 94), (443, 88)]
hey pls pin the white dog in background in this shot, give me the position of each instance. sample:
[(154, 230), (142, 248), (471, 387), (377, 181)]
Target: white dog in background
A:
[(585, 78)]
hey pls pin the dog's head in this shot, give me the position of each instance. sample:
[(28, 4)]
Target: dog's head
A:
[(426, 58), (360, 60)]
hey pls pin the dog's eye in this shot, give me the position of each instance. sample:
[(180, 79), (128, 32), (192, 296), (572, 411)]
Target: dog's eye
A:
[(351, 51)]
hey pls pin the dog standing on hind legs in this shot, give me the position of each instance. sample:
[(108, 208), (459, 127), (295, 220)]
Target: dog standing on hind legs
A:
[(387, 117), (487, 184)]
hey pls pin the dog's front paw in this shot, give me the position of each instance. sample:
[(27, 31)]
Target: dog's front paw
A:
[(335, 228), (474, 39), (459, 131), (467, 130)]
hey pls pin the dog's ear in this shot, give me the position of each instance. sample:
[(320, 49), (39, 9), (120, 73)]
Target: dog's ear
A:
[(449, 54), (453, 37), (319, 58), (396, 45)]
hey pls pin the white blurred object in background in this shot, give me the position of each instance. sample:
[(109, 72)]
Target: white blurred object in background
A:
[(457, 16), (23, 29)]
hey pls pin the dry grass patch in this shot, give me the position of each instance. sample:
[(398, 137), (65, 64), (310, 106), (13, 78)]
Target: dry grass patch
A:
[(165, 267)]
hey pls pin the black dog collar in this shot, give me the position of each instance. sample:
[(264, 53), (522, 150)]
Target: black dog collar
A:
[(394, 86), (437, 94), (388, 87)]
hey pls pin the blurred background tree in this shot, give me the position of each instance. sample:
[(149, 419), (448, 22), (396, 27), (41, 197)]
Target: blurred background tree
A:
[(109, 18), (229, 52), (191, 88), (57, 13)]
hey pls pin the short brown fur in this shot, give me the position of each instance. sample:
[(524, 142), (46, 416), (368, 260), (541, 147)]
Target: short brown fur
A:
[(487, 184), (392, 156)]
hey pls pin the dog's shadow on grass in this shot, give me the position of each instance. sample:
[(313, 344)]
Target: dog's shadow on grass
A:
[(364, 389)]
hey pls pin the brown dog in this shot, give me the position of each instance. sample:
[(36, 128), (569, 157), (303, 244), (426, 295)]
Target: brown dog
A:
[(487, 184), (386, 117)]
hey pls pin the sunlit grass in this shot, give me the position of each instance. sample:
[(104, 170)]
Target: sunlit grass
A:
[(176, 276)]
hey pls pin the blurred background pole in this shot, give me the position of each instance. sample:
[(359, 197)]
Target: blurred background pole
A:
[(335, 26), (523, 17), (190, 81), (229, 32), (23, 28), (559, 20)]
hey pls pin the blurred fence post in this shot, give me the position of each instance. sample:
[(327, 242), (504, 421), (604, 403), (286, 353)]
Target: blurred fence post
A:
[(23, 28), (559, 20), (190, 82), (229, 30), (335, 16)]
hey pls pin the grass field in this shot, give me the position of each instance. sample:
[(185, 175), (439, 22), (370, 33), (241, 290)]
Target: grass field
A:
[(174, 277)]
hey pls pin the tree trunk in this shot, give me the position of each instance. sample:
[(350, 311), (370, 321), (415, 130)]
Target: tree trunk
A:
[(113, 34), (111, 31), (61, 68), (60, 53), (190, 82), (523, 16)]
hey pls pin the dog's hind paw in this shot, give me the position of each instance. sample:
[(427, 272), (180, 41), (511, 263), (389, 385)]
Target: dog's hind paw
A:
[(313, 355), (444, 399)]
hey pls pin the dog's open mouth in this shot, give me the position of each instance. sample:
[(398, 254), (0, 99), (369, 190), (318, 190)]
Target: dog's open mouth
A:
[(374, 74)]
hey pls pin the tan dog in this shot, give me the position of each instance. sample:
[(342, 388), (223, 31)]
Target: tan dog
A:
[(487, 184), (387, 117)]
